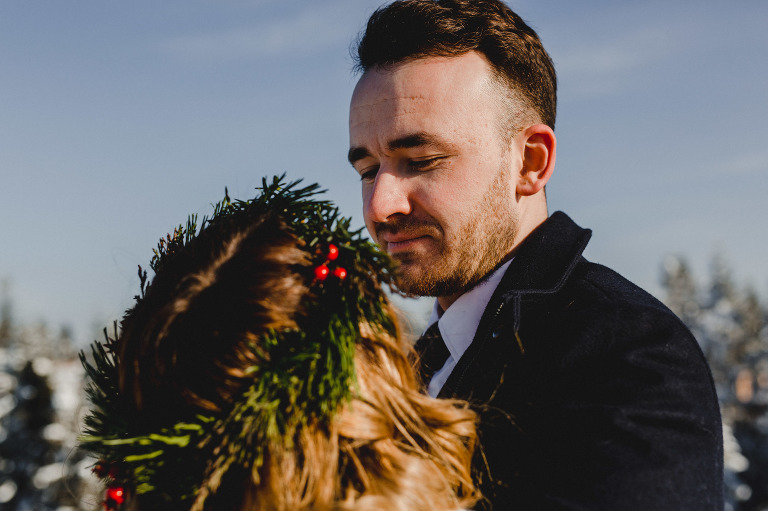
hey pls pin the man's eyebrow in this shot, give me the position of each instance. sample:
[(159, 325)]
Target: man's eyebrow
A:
[(413, 140), (405, 142), (357, 153)]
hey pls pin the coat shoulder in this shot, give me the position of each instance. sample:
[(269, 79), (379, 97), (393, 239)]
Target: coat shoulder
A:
[(617, 395)]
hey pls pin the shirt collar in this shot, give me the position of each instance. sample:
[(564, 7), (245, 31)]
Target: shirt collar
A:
[(459, 322)]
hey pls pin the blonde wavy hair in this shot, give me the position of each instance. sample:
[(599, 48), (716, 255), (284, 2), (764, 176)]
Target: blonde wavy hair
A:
[(187, 347)]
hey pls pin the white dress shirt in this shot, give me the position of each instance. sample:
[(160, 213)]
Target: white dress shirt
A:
[(459, 323)]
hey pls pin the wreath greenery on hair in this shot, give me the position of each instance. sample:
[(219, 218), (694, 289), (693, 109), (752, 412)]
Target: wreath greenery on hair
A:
[(298, 376)]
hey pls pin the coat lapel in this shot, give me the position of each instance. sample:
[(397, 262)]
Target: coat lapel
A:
[(541, 265)]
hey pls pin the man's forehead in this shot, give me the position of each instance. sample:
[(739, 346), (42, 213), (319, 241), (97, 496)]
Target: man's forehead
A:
[(380, 103), (384, 121), (438, 96), (418, 78), (385, 87), (369, 102)]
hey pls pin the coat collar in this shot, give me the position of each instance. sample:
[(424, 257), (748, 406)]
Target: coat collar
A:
[(545, 259), (542, 264)]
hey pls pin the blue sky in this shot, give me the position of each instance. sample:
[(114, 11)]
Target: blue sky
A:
[(117, 119)]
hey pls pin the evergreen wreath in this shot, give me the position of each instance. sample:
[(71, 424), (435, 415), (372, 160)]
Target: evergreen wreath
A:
[(298, 377)]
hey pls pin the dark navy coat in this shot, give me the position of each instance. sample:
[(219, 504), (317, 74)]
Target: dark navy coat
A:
[(592, 394)]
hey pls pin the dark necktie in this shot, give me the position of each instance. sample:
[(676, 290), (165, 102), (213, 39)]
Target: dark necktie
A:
[(432, 353)]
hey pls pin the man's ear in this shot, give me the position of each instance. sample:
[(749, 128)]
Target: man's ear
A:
[(538, 154)]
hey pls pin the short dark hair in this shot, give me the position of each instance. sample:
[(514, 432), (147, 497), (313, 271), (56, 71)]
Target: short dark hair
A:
[(412, 29)]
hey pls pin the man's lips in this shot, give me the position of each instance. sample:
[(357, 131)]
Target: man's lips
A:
[(398, 237), (405, 234), (396, 242)]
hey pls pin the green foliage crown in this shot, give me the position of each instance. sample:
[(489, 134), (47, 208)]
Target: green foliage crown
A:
[(299, 376)]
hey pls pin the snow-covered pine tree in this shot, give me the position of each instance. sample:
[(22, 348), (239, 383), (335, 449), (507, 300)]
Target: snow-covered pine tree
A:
[(730, 325), (41, 395)]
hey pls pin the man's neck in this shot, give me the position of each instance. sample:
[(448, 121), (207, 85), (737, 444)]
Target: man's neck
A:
[(446, 301)]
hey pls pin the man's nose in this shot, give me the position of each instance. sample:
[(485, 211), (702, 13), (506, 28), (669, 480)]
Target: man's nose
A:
[(388, 196)]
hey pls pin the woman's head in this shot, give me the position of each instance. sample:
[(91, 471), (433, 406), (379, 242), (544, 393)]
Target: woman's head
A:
[(262, 369), (192, 335)]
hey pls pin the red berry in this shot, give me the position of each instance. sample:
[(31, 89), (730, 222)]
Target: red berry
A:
[(116, 494), (340, 273), (333, 252), (321, 272)]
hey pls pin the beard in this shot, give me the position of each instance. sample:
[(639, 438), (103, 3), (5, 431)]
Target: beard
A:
[(466, 255)]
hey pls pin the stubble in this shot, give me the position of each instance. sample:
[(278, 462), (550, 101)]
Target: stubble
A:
[(468, 253)]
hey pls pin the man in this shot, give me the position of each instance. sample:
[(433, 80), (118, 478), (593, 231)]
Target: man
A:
[(593, 395)]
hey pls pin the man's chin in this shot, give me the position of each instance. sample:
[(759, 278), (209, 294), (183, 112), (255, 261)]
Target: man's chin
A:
[(429, 278), (412, 279), (419, 281), (413, 288)]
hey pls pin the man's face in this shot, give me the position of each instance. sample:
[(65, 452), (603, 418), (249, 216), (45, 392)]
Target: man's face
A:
[(438, 177)]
